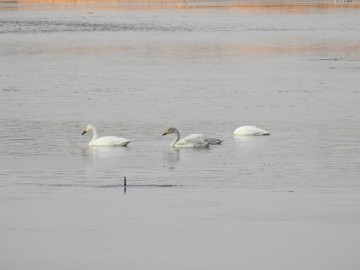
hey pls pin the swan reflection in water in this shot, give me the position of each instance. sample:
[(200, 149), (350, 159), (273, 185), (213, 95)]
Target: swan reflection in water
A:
[(89, 153)]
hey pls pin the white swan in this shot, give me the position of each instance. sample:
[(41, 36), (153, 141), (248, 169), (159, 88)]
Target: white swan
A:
[(250, 131), (105, 141), (193, 140)]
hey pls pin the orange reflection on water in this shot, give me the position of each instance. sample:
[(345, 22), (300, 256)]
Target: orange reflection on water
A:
[(295, 49), (235, 6), (193, 52)]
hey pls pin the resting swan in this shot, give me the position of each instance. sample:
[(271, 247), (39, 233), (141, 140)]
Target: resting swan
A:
[(104, 141), (193, 140), (250, 131)]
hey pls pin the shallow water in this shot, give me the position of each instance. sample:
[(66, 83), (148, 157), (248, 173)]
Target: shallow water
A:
[(285, 201)]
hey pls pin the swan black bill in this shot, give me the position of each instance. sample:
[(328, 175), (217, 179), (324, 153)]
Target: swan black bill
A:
[(83, 132), (164, 134)]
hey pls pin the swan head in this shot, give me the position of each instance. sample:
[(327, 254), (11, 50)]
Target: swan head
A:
[(169, 131), (86, 129)]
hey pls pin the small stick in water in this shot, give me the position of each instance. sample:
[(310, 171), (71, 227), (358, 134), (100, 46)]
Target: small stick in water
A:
[(124, 181)]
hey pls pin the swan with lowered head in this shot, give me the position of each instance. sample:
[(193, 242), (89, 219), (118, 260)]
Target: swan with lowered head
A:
[(192, 140), (104, 141), (250, 131)]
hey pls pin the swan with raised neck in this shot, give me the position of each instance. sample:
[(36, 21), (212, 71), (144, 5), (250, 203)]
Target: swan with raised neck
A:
[(192, 140), (104, 141)]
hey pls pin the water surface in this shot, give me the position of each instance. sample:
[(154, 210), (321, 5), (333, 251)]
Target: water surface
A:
[(285, 201)]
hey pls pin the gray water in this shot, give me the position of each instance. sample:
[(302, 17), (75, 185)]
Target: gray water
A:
[(290, 200)]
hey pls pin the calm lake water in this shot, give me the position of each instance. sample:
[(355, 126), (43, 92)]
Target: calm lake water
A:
[(290, 200)]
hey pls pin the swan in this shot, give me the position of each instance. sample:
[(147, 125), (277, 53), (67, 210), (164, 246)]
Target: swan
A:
[(250, 131), (104, 141), (192, 140)]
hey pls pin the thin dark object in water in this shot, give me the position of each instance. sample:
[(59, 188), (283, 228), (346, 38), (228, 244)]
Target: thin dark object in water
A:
[(124, 184)]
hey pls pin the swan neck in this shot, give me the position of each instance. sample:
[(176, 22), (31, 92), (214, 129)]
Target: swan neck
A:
[(95, 134), (177, 138)]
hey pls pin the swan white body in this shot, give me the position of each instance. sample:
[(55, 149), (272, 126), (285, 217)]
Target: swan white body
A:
[(193, 140), (250, 131), (105, 141)]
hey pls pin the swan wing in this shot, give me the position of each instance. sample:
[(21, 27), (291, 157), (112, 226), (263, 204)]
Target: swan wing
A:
[(110, 141), (203, 137), (192, 140)]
